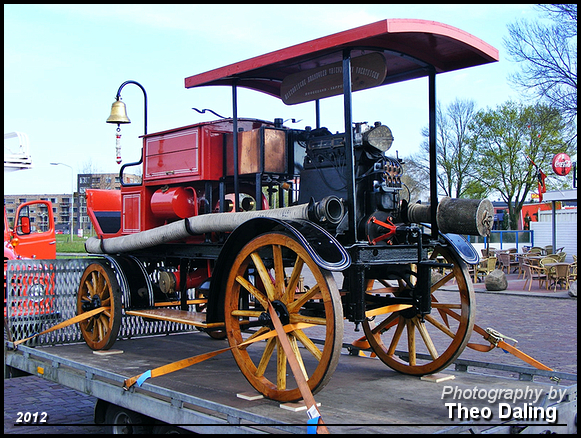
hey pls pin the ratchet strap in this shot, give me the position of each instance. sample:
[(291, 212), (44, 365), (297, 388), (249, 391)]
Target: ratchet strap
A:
[(184, 363), (71, 321), (312, 410), (496, 339), (280, 331)]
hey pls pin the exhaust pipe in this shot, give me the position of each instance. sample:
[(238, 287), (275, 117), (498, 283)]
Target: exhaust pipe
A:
[(330, 210)]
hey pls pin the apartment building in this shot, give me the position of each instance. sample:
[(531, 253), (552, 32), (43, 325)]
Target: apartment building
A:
[(39, 216)]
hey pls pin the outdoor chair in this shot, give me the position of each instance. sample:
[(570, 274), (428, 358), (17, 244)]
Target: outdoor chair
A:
[(550, 271), (472, 272), (486, 252), (559, 274), (573, 271), (536, 250), (562, 255), (521, 261), (507, 262), (485, 267), (558, 250), (548, 249), (532, 273), (548, 259)]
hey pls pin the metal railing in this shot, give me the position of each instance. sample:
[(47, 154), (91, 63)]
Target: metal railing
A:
[(43, 293), (507, 238)]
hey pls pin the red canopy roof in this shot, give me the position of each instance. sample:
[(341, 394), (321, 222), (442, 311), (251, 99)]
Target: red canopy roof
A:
[(408, 46)]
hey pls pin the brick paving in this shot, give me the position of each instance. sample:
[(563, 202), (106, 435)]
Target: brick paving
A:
[(544, 322), (67, 411)]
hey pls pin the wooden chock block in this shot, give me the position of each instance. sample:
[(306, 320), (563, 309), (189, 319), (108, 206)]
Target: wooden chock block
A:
[(296, 407), (107, 352), (437, 377), (249, 396)]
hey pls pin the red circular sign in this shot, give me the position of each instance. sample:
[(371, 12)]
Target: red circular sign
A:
[(562, 164)]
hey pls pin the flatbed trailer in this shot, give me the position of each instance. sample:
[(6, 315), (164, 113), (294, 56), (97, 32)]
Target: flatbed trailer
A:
[(207, 397), (202, 241)]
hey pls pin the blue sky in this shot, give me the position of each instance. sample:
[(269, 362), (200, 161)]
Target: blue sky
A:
[(63, 65)]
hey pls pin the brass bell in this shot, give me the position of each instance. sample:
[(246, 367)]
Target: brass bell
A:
[(118, 113)]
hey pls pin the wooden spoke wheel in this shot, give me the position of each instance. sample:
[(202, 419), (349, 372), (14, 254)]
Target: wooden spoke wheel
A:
[(275, 268), (99, 288), (434, 343)]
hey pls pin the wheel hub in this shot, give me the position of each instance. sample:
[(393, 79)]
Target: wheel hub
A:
[(95, 303), (281, 312), (409, 313)]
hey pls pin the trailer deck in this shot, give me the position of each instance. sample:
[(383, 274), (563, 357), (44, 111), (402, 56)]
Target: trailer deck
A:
[(206, 397)]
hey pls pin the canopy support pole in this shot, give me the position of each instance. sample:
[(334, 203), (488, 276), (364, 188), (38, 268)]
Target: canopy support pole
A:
[(235, 144), (350, 168), (433, 149)]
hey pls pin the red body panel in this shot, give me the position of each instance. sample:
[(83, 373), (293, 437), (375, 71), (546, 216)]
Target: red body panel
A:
[(177, 163)]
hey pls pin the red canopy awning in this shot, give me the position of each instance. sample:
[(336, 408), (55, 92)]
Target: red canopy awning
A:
[(409, 46)]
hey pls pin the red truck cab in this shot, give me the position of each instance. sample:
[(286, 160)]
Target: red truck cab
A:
[(24, 242)]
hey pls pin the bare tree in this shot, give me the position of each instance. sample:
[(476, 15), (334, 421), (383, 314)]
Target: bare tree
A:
[(415, 182), (548, 58), (88, 166), (455, 152)]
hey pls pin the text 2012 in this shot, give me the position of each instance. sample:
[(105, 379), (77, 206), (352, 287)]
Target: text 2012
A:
[(31, 417)]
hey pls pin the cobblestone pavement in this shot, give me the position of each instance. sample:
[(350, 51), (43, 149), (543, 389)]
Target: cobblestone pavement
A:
[(67, 411), (544, 323)]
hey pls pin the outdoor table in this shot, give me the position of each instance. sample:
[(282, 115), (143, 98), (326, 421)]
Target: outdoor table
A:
[(521, 255), (551, 265), (535, 259)]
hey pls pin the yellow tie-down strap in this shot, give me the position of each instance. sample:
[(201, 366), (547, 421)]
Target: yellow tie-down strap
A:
[(71, 321), (184, 363), (279, 330), (496, 339)]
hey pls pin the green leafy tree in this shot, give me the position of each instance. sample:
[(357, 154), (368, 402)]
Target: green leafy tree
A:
[(507, 139)]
